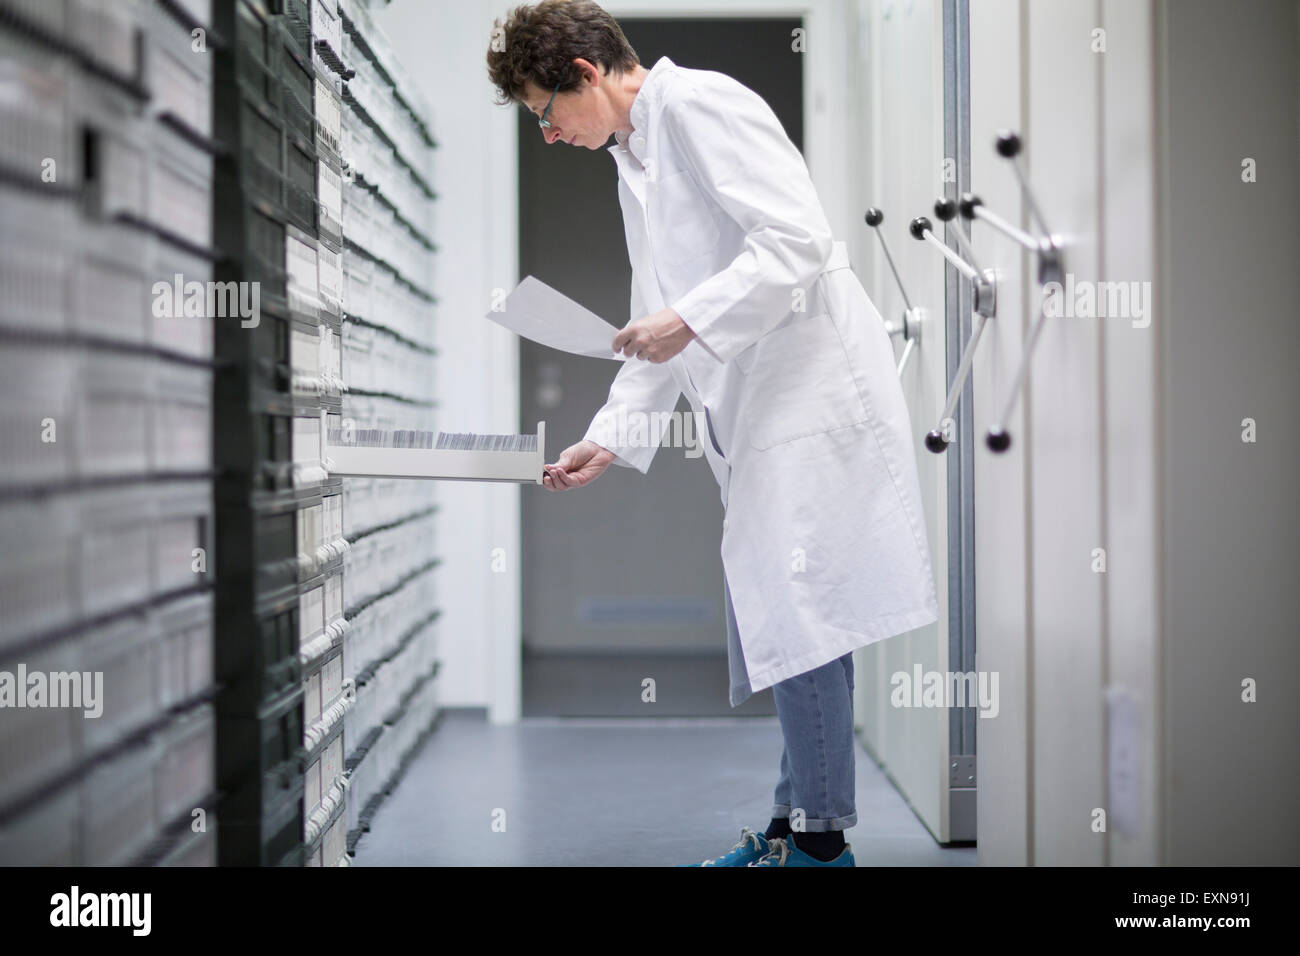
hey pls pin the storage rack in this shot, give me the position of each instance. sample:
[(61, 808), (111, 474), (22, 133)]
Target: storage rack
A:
[(327, 612), (106, 479), (266, 631), (389, 363)]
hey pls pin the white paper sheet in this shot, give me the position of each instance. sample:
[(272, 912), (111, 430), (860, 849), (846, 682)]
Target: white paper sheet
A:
[(543, 315)]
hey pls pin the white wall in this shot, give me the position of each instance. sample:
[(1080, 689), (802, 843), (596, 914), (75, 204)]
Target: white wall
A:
[(444, 47)]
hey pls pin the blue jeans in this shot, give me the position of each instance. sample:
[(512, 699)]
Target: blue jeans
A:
[(816, 713)]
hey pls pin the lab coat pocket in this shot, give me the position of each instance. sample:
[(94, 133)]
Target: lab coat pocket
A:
[(800, 383), (682, 219)]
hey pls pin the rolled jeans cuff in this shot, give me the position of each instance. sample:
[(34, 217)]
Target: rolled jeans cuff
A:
[(810, 825)]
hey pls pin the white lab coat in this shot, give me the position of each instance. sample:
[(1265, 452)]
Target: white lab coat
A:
[(823, 544)]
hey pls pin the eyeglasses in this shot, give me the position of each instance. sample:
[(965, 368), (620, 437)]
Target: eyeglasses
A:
[(543, 122)]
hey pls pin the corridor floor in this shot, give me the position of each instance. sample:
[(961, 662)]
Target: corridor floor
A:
[(612, 792)]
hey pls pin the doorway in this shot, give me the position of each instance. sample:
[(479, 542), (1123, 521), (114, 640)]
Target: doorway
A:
[(622, 580)]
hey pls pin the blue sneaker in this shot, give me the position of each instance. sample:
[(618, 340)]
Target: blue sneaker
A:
[(785, 853), (752, 846)]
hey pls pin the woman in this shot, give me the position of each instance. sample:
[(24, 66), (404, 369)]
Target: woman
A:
[(742, 300)]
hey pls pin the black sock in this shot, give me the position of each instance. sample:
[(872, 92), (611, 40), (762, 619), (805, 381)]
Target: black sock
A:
[(779, 827), (824, 846)]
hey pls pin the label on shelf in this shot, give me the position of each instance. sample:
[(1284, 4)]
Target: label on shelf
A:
[(311, 619), (329, 116), (325, 26), (300, 268)]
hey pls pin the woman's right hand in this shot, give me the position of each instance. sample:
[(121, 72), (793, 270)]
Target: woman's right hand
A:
[(579, 464)]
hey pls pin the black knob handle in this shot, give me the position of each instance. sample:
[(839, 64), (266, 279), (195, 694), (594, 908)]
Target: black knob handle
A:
[(874, 217), (935, 443), (945, 209), (1008, 144), (967, 205), (919, 227), (998, 440)]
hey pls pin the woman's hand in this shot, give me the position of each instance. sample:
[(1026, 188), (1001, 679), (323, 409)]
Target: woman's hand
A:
[(579, 464), (655, 338)]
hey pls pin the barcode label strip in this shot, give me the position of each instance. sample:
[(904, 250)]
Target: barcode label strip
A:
[(451, 441), (468, 441), (380, 438)]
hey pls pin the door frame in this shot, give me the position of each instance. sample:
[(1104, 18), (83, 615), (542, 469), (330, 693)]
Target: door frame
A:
[(826, 149)]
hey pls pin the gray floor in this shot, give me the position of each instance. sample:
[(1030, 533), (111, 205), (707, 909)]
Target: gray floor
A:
[(612, 792), (609, 685)]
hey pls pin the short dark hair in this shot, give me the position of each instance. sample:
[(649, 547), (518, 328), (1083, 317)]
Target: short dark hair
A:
[(540, 42)]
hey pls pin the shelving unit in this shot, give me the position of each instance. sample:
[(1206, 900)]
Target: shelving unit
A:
[(217, 248), (106, 483), (390, 594), (326, 204)]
